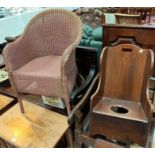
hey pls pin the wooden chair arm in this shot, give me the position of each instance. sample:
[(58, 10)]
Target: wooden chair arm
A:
[(74, 113)]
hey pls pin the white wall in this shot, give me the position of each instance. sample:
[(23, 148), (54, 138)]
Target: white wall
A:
[(15, 24)]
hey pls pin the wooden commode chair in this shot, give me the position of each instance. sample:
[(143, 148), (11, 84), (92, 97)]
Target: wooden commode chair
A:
[(120, 108)]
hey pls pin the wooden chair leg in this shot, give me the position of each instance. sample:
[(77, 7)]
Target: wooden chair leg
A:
[(20, 104), (77, 139), (69, 138)]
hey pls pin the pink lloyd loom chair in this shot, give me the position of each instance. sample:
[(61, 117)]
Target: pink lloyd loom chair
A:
[(42, 60)]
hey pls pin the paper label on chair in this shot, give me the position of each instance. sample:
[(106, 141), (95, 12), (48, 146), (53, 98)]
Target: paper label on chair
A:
[(3, 75), (55, 102)]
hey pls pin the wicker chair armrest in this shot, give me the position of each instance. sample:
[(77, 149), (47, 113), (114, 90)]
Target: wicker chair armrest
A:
[(16, 53), (68, 63)]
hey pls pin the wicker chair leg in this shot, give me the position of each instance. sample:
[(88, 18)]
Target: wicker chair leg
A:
[(67, 103), (20, 104)]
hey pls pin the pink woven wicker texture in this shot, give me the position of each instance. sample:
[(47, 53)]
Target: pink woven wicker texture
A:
[(42, 60)]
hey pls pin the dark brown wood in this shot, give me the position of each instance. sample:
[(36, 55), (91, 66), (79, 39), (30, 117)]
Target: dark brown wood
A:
[(120, 108), (11, 103), (96, 143), (69, 137), (105, 144), (141, 35), (74, 115), (103, 20), (85, 58)]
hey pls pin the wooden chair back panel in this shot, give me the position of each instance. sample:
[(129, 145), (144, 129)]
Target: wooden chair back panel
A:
[(124, 72)]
